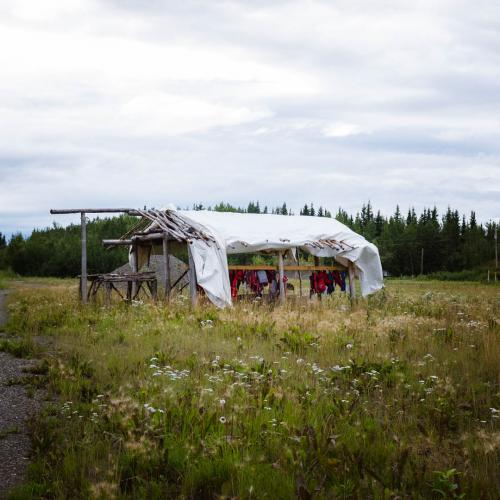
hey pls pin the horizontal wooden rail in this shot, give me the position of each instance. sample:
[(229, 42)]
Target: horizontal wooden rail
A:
[(116, 242), (90, 210), (257, 267)]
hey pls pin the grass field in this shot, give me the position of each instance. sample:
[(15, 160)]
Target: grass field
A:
[(397, 397)]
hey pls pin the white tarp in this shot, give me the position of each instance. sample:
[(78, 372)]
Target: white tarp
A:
[(246, 233)]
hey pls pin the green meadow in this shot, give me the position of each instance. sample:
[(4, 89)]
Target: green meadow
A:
[(396, 396)]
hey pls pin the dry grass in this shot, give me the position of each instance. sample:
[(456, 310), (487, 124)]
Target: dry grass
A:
[(397, 397)]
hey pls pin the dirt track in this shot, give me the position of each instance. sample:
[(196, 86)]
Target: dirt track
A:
[(17, 404)]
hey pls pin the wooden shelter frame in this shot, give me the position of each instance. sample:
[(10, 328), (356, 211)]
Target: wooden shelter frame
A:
[(171, 227)]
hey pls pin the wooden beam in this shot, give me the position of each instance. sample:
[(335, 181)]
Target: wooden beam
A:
[(282, 275), (116, 242), (89, 210), (83, 279), (166, 266), (252, 268), (138, 239), (192, 277), (149, 237), (257, 267)]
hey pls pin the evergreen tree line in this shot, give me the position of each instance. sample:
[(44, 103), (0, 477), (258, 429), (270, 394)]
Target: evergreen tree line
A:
[(408, 244), (56, 251), (254, 208)]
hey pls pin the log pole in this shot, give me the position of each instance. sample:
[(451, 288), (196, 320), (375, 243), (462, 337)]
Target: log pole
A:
[(83, 280), (54, 211), (300, 276), (166, 267), (192, 277), (135, 267), (316, 264), (282, 275)]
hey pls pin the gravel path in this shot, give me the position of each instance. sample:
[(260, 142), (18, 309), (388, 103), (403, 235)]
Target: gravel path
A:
[(16, 406)]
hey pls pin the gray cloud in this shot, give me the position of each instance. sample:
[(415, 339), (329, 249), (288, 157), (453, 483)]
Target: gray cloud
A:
[(132, 103)]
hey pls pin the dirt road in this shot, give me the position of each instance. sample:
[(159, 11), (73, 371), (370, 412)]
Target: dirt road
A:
[(17, 404)]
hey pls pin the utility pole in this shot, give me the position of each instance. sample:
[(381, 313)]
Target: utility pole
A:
[(422, 262)]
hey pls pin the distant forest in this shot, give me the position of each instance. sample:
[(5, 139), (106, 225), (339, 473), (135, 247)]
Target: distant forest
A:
[(409, 243)]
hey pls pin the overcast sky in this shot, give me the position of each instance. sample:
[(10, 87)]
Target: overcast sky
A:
[(149, 102)]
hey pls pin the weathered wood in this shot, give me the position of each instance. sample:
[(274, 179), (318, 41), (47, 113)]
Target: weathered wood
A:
[(282, 275), (316, 264), (192, 277), (153, 289), (138, 239), (352, 278), (300, 276), (149, 237), (166, 266), (116, 242), (89, 210), (121, 278), (83, 280), (257, 267), (134, 265), (107, 289)]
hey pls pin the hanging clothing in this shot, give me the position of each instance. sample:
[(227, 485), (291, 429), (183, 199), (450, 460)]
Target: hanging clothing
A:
[(331, 284), (236, 278), (319, 281), (253, 282), (343, 275), (262, 275)]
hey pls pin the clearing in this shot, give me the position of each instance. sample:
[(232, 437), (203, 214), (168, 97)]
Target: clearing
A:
[(397, 397)]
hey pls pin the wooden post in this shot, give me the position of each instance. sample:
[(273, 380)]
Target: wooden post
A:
[(352, 277), (192, 277), (300, 277), (316, 263), (153, 288), (134, 266), (107, 293), (282, 275), (166, 267), (83, 279)]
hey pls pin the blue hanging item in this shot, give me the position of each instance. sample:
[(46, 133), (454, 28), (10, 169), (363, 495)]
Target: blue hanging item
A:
[(343, 274), (331, 283)]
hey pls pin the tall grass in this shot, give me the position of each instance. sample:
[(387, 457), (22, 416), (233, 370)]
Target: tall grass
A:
[(397, 397), (5, 275)]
